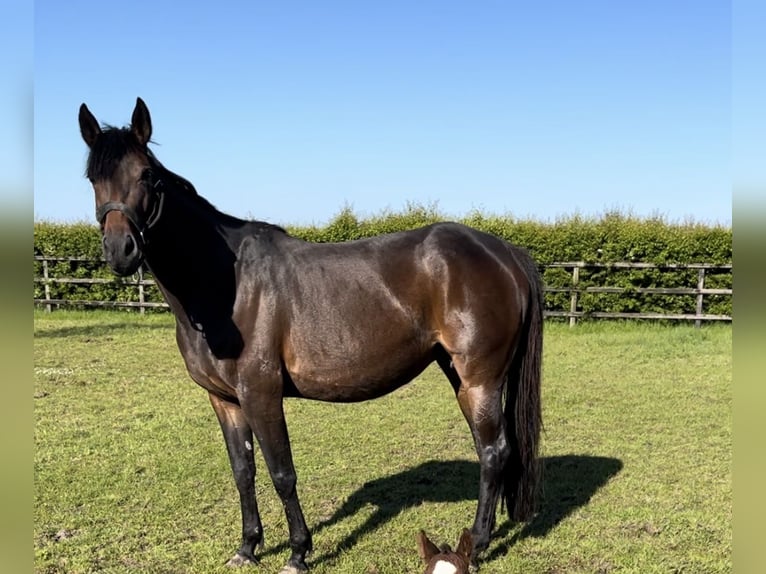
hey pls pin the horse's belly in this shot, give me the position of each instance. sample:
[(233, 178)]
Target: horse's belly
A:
[(350, 377)]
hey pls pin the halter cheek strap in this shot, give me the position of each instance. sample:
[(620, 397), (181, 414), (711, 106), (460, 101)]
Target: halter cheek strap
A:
[(131, 214)]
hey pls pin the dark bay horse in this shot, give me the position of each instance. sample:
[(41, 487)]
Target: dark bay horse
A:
[(261, 316)]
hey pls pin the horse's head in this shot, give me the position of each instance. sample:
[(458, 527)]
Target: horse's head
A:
[(443, 560), (128, 195)]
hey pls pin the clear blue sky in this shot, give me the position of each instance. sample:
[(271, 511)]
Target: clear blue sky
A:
[(289, 111)]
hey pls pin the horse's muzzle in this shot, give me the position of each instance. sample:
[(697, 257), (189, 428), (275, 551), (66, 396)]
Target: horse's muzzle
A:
[(122, 251)]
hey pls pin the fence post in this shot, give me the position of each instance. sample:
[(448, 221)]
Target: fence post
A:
[(141, 288), (47, 285), (700, 295), (573, 300)]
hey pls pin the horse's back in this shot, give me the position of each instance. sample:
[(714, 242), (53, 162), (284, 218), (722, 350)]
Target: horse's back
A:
[(414, 274)]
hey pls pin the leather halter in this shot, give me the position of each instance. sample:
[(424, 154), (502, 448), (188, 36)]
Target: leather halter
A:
[(131, 214)]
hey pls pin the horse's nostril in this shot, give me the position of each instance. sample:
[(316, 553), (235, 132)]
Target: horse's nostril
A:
[(130, 245)]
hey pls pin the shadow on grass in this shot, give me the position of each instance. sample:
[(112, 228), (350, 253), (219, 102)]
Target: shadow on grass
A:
[(569, 483), (98, 329)]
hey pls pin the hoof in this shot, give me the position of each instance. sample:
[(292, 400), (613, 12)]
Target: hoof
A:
[(290, 569), (240, 560)]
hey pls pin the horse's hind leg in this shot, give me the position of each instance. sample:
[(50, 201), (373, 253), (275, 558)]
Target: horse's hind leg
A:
[(482, 408), (479, 394), (239, 444)]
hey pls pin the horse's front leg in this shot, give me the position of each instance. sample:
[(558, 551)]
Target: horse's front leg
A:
[(239, 444), (264, 411)]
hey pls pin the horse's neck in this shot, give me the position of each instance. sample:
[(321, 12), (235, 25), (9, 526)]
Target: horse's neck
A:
[(191, 259)]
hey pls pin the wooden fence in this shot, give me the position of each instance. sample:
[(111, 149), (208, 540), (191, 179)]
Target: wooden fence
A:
[(574, 289), (699, 291), (138, 281)]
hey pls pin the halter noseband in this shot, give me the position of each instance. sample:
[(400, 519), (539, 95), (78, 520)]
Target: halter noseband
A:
[(131, 214)]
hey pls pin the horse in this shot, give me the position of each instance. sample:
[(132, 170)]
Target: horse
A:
[(262, 315), (444, 560)]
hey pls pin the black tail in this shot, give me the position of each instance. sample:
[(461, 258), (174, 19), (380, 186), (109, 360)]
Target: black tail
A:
[(523, 412)]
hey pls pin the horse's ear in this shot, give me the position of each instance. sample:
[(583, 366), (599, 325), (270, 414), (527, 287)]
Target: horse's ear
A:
[(141, 122), (465, 544), (89, 128), (426, 548)]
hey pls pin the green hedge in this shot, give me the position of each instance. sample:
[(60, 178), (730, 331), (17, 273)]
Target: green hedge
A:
[(611, 237), (81, 240)]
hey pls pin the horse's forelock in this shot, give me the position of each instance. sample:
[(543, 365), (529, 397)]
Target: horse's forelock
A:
[(111, 146)]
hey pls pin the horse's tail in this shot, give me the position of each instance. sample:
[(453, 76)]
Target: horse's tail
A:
[(523, 412)]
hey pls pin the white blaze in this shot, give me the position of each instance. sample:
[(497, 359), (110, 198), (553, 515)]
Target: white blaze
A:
[(444, 567)]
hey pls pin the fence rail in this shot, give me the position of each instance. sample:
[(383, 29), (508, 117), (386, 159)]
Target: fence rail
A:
[(700, 291), (574, 289)]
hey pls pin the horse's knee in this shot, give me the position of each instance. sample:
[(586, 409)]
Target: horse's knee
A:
[(284, 484)]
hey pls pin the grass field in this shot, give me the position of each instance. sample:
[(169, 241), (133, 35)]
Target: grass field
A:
[(131, 473)]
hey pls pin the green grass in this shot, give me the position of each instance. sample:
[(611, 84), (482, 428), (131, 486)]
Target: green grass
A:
[(131, 473)]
